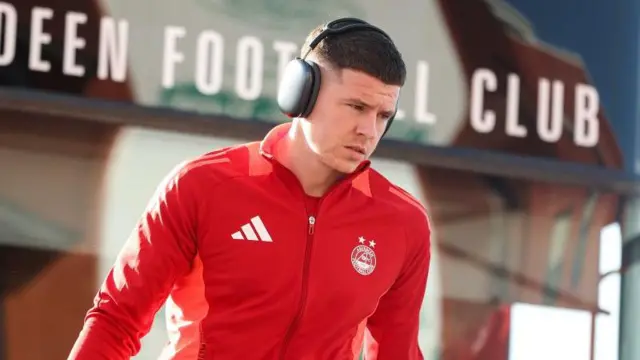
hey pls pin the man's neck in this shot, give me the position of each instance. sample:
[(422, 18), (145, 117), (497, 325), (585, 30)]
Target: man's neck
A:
[(293, 152)]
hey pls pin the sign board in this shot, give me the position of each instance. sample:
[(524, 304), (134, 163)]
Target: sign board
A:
[(478, 76)]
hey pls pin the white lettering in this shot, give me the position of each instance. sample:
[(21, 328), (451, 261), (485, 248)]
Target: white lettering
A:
[(209, 62), (39, 38), (482, 121), (250, 55), (9, 20), (209, 73), (171, 56), (422, 95), (587, 127), (513, 127), (550, 127), (73, 43), (286, 52), (113, 49)]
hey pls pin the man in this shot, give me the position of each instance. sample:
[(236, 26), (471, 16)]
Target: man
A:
[(295, 244)]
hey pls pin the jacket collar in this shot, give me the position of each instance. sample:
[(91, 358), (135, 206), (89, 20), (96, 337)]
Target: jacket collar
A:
[(359, 179)]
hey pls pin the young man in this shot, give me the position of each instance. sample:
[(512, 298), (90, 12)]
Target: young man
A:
[(290, 248)]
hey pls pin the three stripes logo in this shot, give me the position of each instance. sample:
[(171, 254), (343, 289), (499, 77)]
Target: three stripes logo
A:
[(253, 231)]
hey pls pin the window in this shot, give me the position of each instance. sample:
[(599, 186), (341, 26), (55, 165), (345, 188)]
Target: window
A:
[(583, 238), (558, 244)]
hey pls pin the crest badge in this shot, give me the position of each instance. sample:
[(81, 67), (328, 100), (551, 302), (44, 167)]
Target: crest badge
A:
[(363, 258)]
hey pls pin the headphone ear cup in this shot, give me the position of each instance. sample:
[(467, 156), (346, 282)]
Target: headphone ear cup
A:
[(315, 88), (295, 88)]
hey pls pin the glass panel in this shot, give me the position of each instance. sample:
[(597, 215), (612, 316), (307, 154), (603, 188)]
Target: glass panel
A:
[(583, 241), (558, 242)]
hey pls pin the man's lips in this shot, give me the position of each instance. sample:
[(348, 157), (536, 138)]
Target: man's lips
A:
[(357, 148)]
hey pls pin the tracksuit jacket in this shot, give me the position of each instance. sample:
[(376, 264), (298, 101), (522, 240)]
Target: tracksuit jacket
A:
[(253, 268)]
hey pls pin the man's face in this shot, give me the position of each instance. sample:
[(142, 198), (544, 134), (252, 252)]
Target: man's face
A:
[(349, 117)]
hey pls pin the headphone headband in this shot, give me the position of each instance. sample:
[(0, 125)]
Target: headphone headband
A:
[(340, 26)]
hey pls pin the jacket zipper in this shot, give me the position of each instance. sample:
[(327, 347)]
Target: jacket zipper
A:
[(202, 351), (305, 287)]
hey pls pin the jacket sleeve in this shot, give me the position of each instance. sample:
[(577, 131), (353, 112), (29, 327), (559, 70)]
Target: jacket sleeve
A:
[(392, 330), (160, 248)]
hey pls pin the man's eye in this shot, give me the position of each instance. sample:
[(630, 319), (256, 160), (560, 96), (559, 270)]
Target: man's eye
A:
[(357, 107)]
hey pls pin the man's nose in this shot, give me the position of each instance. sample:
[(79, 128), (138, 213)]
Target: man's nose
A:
[(367, 125)]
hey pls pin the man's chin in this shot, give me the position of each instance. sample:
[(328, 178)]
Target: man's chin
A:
[(346, 167)]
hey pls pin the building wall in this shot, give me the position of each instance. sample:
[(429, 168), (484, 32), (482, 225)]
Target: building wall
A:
[(491, 246), (71, 191)]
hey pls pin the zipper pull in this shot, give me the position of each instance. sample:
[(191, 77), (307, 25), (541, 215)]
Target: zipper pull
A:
[(312, 222)]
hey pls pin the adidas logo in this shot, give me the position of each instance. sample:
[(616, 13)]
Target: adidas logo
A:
[(247, 231)]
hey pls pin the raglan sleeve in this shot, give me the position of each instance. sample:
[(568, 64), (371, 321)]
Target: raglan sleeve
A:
[(392, 330), (161, 247)]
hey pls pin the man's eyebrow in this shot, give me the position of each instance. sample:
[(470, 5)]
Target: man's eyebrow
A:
[(357, 101)]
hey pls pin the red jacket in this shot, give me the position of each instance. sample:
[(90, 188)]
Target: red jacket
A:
[(285, 276)]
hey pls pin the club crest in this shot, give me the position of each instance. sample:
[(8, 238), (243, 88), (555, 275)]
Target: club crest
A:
[(363, 258)]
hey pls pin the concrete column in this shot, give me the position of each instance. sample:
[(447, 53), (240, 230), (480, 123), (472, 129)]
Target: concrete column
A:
[(630, 292)]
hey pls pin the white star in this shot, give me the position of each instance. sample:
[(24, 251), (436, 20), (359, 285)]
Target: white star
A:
[(361, 239), (372, 243)]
